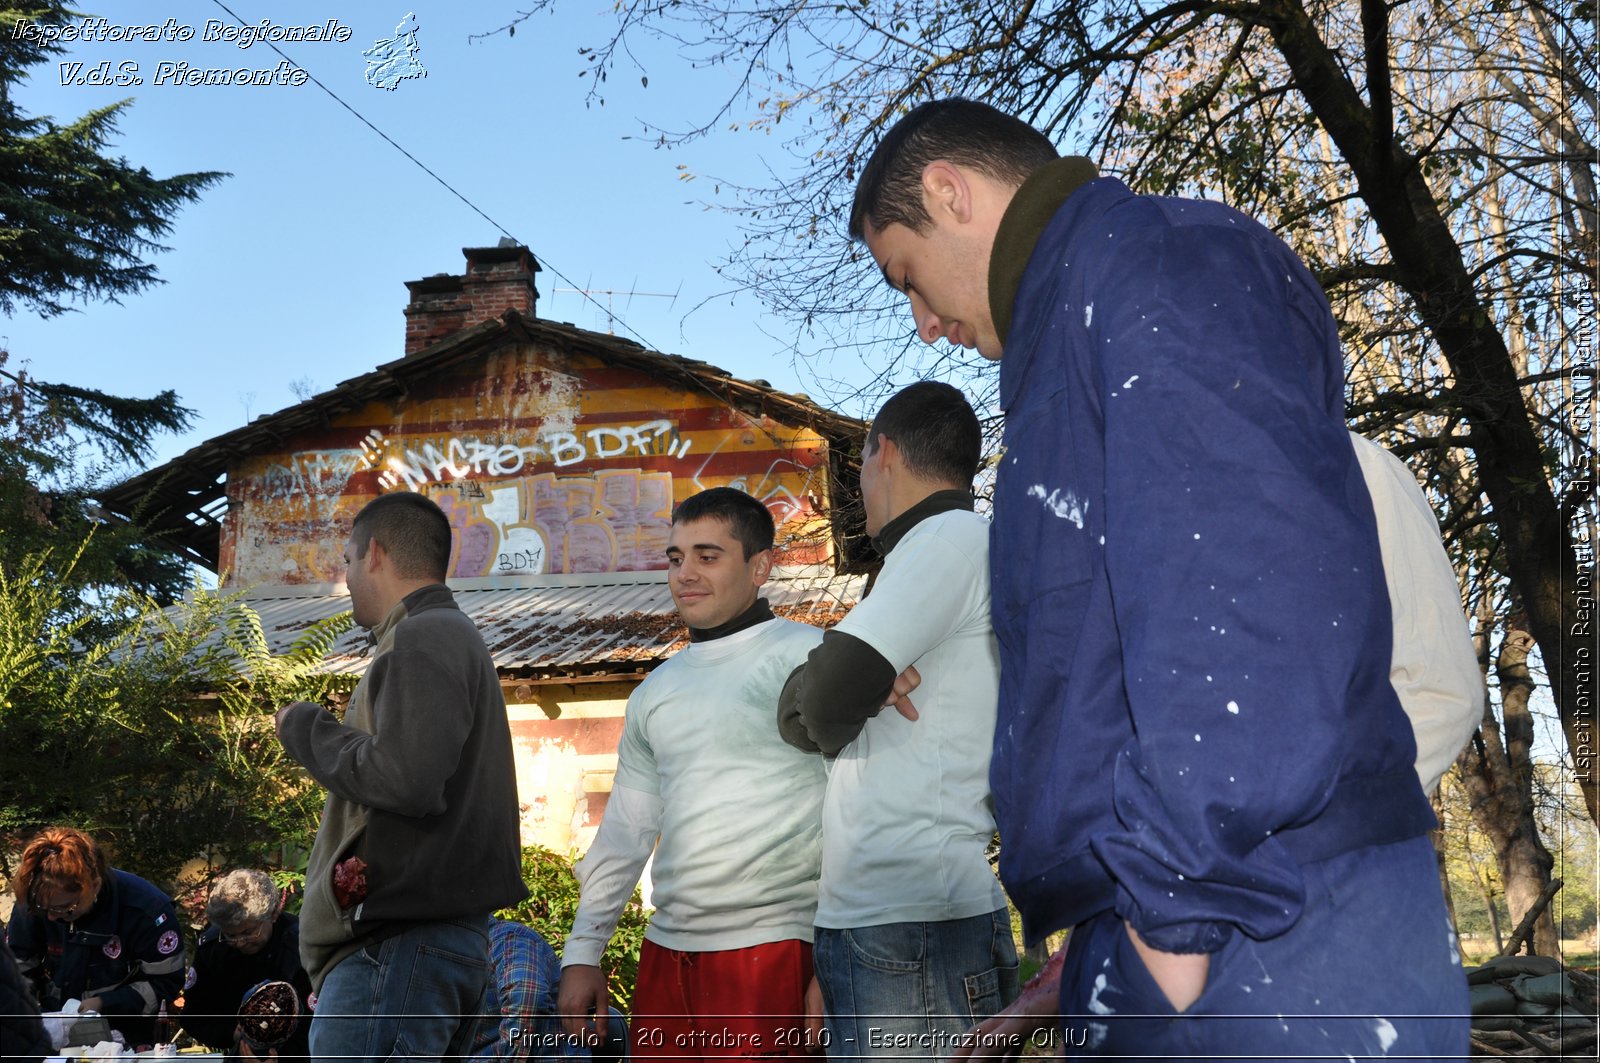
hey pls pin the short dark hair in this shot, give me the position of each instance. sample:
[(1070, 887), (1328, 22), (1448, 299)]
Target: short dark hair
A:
[(958, 130), (935, 429), (748, 520), (412, 530)]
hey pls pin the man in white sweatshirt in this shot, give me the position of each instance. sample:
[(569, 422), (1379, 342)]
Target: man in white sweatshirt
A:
[(913, 937), (732, 813)]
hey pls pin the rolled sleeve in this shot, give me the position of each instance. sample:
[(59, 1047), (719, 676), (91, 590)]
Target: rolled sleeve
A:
[(828, 700), (851, 673)]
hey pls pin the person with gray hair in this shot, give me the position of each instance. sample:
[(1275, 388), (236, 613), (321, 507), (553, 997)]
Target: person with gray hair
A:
[(242, 896), (251, 940)]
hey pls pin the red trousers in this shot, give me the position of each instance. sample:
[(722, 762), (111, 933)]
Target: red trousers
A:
[(740, 1003)]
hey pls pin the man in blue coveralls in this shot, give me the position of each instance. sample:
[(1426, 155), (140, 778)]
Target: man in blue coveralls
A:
[(1199, 762)]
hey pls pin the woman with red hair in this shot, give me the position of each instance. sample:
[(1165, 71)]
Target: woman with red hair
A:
[(82, 929)]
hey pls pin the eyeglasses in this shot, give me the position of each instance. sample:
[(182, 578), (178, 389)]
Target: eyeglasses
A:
[(59, 910), (247, 937)]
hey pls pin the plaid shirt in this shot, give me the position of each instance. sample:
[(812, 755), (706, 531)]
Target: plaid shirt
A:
[(522, 994)]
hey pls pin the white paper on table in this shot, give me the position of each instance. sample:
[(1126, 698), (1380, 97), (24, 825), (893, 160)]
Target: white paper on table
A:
[(58, 1024)]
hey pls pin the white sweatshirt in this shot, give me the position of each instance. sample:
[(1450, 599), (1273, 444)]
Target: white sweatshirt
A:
[(737, 811)]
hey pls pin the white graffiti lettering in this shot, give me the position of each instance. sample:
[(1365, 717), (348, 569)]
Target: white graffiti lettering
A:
[(456, 458), (614, 442), (564, 448), (311, 475)]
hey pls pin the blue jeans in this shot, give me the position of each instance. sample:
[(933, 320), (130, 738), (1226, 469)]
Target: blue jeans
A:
[(415, 995), (910, 990)]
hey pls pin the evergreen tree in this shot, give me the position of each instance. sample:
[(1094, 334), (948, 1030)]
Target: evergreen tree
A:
[(75, 223), (150, 728), (57, 444)]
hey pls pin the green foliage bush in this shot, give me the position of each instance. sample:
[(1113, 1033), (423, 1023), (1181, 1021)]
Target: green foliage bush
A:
[(552, 904), (154, 733)]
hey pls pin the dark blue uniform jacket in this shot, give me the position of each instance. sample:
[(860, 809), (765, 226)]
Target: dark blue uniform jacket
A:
[(221, 976), (127, 950), (1194, 627)]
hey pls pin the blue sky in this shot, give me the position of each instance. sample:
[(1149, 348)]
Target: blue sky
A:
[(292, 269)]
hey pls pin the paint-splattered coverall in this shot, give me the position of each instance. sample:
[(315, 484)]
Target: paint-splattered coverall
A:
[(1197, 734)]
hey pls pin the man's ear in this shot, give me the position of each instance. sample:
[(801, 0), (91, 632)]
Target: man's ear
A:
[(888, 453), (763, 567), (946, 192)]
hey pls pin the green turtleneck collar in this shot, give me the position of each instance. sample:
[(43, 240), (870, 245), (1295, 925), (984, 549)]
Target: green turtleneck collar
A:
[(1031, 209), (944, 501), (758, 613)]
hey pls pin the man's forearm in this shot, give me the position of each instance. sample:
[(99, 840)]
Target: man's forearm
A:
[(791, 728), (401, 766), (610, 870), (843, 684)]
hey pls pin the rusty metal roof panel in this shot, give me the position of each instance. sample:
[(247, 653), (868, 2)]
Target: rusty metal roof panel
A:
[(560, 628)]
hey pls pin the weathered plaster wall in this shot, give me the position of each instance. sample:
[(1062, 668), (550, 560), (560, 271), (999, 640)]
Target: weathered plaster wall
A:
[(544, 463), (565, 764)]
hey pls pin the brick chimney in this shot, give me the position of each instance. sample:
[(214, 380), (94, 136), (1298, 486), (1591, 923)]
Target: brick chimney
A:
[(497, 279)]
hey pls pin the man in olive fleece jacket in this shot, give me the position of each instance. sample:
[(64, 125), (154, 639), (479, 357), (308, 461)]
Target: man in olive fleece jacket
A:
[(419, 839)]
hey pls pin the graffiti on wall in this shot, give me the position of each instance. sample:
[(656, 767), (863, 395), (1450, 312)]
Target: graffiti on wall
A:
[(311, 481), (768, 488), (616, 520), (445, 459), (549, 482)]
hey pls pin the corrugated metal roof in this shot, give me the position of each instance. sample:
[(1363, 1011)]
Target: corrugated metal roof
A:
[(563, 627)]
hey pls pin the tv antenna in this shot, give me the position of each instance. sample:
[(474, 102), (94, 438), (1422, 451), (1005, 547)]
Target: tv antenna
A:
[(630, 293)]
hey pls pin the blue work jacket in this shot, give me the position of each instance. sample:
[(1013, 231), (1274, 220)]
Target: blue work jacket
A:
[(1187, 589)]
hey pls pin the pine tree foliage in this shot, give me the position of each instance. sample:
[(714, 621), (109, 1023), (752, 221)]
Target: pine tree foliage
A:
[(58, 443), (44, 421), (149, 726), (75, 222)]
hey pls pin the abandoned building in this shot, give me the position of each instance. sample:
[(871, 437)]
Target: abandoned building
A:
[(558, 454)]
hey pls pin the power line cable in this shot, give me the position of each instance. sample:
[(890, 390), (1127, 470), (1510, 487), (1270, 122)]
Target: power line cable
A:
[(424, 168)]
